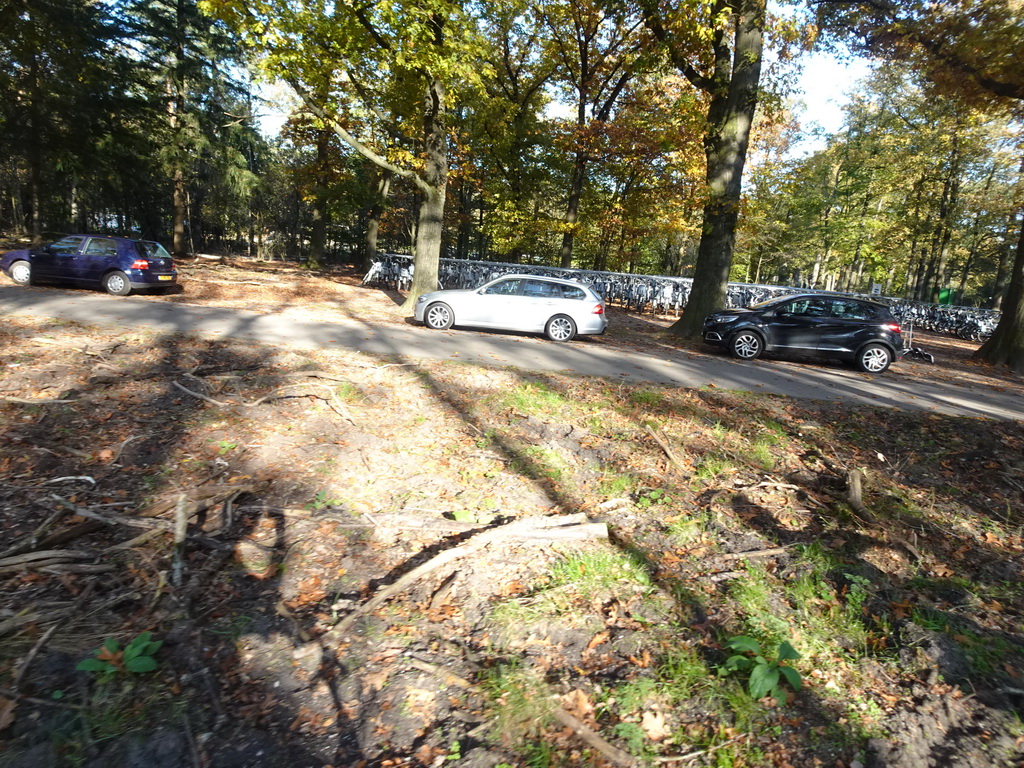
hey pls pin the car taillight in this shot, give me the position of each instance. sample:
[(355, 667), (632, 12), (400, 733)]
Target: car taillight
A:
[(140, 264), (598, 310), (894, 327)]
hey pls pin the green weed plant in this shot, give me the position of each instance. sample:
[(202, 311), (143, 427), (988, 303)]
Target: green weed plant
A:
[(766, 677)]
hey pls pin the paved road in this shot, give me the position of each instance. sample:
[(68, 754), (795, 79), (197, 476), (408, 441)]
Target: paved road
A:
[(662, 365)]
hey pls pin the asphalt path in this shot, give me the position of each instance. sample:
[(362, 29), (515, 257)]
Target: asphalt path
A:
[(660, 365)]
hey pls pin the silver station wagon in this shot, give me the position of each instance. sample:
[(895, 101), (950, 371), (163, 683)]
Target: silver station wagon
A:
[(560, 309)]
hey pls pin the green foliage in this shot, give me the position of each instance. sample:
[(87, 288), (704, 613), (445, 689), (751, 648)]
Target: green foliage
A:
[(598, 569), (647, 397), (323, 500), (225, 446), (652, 497), (765, 677), (535, 398), (520, 699), (136, 657)]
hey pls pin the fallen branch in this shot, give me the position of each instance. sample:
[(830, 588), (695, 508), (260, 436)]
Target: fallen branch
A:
[(198, 499), (31, 541), (210, 400), (586, 734), (520, 529), (591, 738), (665, 447), (45, 638), (52, 554), (59, 568), (70, 477), (31, 401), (693, 755), (336, 405), (113, 518), (180, 536), (754, 553)]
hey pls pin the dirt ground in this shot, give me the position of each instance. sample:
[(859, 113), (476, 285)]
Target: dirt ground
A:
[(352, 561)]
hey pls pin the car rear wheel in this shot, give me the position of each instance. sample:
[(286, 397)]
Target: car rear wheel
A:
[(874, 358), (560, 328), (439, 316), (21, 272), (746, 345), (117, 284)]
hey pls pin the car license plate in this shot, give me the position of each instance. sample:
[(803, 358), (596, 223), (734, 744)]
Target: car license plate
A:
[(164, 277)]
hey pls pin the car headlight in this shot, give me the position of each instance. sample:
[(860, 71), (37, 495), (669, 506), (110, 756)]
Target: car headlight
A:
[(725, 318)]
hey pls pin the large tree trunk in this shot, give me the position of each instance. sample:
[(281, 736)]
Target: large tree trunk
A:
[(1006, 345), (730, 115), (35, 152), (319, 212), (373, 223), (431, 219), (175, 110), (576, 182)]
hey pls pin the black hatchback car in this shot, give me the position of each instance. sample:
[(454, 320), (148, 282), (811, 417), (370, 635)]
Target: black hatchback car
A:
[(860, 331)]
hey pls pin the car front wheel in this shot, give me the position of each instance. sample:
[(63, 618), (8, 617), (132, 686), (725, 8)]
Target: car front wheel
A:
[(117, 284), (746, 345), (21, 273), (439, 316), (874, 358), (560, 328)]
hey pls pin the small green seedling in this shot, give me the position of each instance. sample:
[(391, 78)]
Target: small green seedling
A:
[(136, 657), (766, 677)]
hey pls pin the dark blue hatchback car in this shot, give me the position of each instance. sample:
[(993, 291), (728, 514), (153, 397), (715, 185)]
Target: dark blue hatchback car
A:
[(118, 264)]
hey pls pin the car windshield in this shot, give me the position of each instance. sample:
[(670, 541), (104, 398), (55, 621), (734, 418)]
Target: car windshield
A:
[(771, 302), (150, 250)]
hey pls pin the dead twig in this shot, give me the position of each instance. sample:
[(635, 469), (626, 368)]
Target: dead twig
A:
[(585, 733), (113, 518), (591, 738), (23, 669), (55, 555), (336, 405), (210, 400), (70, 477), (120, 449), (32, 540), (753, 553), (180, 535), (33, 401), (15, 696), (665, 447), (60, 568), (693, 755), (45, 637)]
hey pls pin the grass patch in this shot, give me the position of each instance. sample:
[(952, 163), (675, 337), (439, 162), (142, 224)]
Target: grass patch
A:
[(597, 570), (535, 398), (520, 700)]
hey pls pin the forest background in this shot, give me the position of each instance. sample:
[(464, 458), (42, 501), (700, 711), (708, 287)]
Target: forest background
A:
[(572, 135)]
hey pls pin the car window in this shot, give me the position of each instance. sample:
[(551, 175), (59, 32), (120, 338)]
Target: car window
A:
[(101, 246), (150, 250), (67, 245), (542, 290), (853, 310), (505, 288), (572, 292), (808, 308)]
